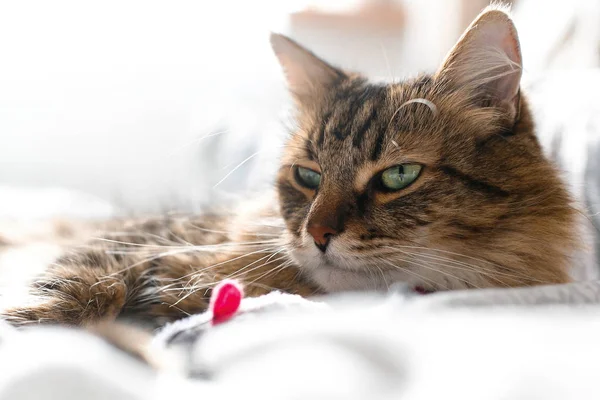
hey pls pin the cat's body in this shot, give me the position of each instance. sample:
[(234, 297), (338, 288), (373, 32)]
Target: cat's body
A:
[(438, 181)]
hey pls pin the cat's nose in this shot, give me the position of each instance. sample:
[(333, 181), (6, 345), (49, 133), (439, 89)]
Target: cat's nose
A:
[(321, 235)]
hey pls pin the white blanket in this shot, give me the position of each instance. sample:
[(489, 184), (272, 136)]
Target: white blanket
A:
[(537, 343)]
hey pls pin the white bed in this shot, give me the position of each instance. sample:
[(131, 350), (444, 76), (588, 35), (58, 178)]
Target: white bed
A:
[(355, 347)]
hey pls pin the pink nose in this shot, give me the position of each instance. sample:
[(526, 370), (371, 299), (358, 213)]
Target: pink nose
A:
[(321, 235)]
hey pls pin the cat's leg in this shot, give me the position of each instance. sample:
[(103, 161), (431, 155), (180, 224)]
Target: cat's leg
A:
[(162, 271), (78, 288), (94, 284), (99, 282), (128, 271)]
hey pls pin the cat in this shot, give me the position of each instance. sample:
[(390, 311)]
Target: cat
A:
[(437, 181)]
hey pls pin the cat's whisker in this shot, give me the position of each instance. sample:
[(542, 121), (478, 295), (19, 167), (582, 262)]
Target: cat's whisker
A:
[(492, 274), (446, 264), (281, 249), (425, 265), (194, 141), (273, 271), (243, 272), (387, 62), (239, 270), (443, 251), (383, 278), (413, 273), (232, 232), (140, 234), (228, 261), (178, 238), (178, 252), (188, 247), (496, 270), (235, 275), (467, 266), (174, 305), (183, 250), (237, 167)]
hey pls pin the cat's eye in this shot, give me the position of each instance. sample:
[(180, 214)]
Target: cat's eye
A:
[(308, 178), (400, 176)]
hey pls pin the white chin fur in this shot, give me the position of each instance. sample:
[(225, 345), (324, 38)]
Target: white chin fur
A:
[(335, 273), (339, 280)]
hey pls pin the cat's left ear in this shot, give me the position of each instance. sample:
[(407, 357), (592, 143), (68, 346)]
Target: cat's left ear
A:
[(307, 75), (487, 61)]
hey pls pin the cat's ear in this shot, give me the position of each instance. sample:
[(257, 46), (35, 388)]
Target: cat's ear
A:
[(487, 61), (307, 75)]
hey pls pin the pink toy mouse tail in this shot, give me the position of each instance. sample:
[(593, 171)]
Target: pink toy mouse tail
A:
[(225, 300)]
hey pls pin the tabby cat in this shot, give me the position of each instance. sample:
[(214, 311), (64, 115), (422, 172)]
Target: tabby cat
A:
[(437, 181)]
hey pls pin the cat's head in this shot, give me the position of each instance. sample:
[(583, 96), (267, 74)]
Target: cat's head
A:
[(437, 181)]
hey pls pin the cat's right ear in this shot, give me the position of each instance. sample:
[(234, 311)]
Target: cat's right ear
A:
[(487, 61), (307, 75)]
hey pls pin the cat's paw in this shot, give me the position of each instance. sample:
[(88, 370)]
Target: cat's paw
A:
[(47, 312), (68, 302)]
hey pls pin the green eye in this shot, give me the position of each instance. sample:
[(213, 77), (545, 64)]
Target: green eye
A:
[(400, 176), (308, 178)]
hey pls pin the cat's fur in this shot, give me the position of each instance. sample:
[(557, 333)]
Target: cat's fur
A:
[(487, 210)]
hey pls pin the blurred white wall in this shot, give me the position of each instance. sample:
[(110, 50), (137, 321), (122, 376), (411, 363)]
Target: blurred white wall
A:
[(429, 30), (112, 98), (150, 104)]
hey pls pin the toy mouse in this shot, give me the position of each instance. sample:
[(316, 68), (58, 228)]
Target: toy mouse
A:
[(225, 300)]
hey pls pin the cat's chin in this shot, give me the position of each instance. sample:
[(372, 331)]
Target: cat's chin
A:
[(335, 273), (336, 279)]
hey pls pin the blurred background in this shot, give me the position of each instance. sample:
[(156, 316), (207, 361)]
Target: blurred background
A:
[(126, 106)]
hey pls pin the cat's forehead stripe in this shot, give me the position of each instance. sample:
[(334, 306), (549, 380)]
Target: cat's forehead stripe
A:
[(378, 146), (353, 113), (321, 129), (357, 105), (358, 136)]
